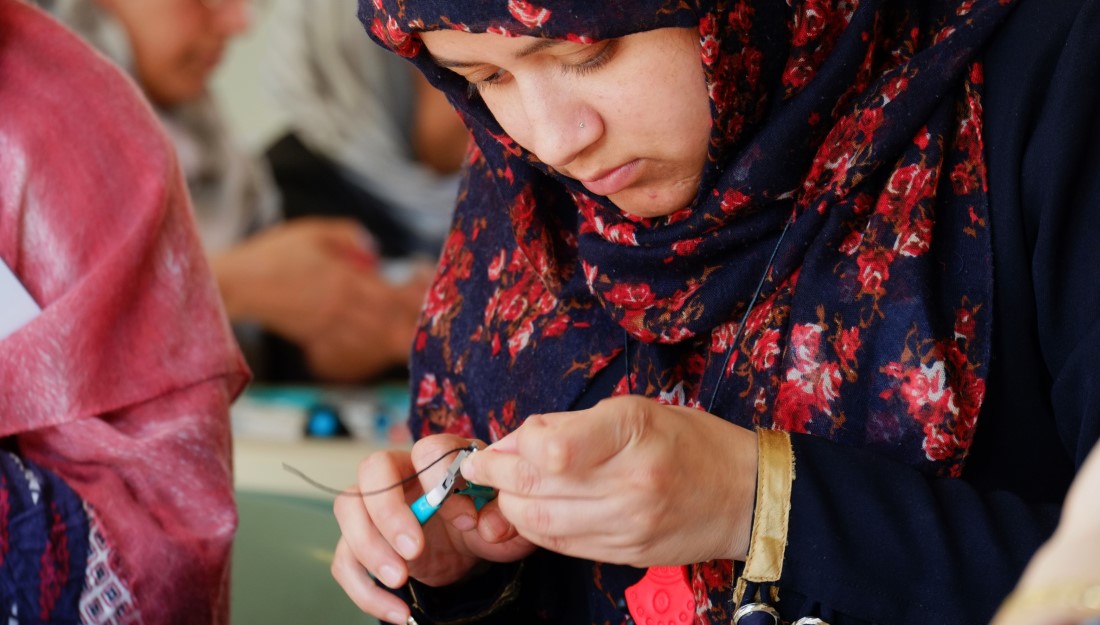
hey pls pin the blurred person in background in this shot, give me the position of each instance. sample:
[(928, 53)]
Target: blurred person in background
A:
[(314, 283), (367, 139), (116, 485), (366, 131)]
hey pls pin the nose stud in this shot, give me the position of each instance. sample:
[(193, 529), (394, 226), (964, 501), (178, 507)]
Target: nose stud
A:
[(581, 125)]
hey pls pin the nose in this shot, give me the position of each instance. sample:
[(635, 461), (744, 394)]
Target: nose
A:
[(560, 123)]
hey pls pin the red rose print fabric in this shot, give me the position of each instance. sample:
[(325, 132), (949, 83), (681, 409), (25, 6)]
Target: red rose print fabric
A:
[(858, 122)]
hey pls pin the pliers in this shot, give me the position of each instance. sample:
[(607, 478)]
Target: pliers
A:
[(427, 504)]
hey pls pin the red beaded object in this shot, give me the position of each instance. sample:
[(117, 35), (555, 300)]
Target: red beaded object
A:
[(662, 597)]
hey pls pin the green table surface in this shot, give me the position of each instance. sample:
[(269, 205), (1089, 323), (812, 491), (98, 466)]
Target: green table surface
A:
[(281, 560)]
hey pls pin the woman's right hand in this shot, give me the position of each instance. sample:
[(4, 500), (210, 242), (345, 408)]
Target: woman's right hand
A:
[(382, 540)]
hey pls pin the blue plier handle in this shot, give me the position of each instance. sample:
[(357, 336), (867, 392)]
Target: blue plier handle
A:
[(428, 503)]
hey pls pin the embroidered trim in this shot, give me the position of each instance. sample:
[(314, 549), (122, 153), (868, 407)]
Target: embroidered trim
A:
[(107, 599), (768, 543)]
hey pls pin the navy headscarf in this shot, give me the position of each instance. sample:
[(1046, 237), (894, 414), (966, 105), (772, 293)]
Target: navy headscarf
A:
[(846, 141)]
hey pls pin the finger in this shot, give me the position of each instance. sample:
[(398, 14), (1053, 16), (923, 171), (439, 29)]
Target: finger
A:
[(347, 235), (540, 520), (389, 510), (560, 443), (362, 590), (373, 552), (358, 528), (576, 442), (514, 474), (493, 526)]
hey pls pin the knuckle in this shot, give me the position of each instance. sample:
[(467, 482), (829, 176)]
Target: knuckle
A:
[(559, 455), (557, 544), (527, 479), (537, 518), (378, 463)]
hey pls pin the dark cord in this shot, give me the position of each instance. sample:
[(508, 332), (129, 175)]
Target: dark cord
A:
[(626, 358), (740, 328), (335, 491), (748, 309)]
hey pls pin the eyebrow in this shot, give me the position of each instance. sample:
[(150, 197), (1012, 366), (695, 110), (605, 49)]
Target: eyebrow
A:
[(532, 48)]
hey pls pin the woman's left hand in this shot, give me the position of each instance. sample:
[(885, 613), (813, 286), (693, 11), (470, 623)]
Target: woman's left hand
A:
[(629, 481)]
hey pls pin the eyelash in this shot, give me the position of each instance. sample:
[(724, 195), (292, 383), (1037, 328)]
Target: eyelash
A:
[(597, 61)]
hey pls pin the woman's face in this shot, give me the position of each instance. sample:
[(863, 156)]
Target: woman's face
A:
[(178, 43), (629, 118)]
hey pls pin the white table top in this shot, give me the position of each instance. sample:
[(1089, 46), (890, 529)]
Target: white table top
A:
[(268, 426), (258, 464)]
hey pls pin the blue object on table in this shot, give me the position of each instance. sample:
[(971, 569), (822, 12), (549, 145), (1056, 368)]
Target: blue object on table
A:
[(324, 422)]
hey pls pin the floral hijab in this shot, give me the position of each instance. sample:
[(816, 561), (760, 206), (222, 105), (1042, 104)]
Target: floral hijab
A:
[(833, 275)]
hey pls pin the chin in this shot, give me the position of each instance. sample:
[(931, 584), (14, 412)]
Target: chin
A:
[(648, 205)]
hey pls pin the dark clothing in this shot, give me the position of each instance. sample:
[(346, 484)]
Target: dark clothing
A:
[(956, 547), (873, 540), (313, 186)]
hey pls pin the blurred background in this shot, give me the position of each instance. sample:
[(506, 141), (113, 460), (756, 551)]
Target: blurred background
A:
[(287, 530), (239, 86)]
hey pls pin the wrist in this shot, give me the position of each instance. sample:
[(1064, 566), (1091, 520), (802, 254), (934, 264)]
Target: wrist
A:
[(747, 471)]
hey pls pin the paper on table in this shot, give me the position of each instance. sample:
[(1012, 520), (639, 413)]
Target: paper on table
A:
[(16, 306)]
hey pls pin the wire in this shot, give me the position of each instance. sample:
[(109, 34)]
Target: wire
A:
[(745, 318), (338, 492)]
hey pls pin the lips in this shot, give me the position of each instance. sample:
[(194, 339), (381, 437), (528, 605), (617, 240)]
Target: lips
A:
[(612, 181)]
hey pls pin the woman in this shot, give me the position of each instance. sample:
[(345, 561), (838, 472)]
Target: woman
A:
[(116, 492), (844, 304), (311, 283)]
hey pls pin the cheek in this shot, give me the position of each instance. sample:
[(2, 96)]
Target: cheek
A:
[(688, 108), (507, 110)]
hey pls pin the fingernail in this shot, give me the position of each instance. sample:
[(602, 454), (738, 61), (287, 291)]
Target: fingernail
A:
[(468, 471), (389, 575), (496, 526), (464, 523), (406, 546)]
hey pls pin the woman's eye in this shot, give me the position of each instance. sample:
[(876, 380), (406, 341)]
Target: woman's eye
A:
[(598, 56), (477, 85), (588, 59)]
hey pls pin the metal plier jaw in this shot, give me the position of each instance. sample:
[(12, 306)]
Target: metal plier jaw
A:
[(428, 503)]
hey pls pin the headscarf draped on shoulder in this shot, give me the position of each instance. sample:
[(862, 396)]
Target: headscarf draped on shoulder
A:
[(846, 142)]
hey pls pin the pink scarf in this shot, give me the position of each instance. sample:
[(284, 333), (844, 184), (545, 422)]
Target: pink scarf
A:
[(122, 385)]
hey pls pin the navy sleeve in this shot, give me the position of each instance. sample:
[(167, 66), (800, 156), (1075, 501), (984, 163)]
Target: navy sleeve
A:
[(872, 541)]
